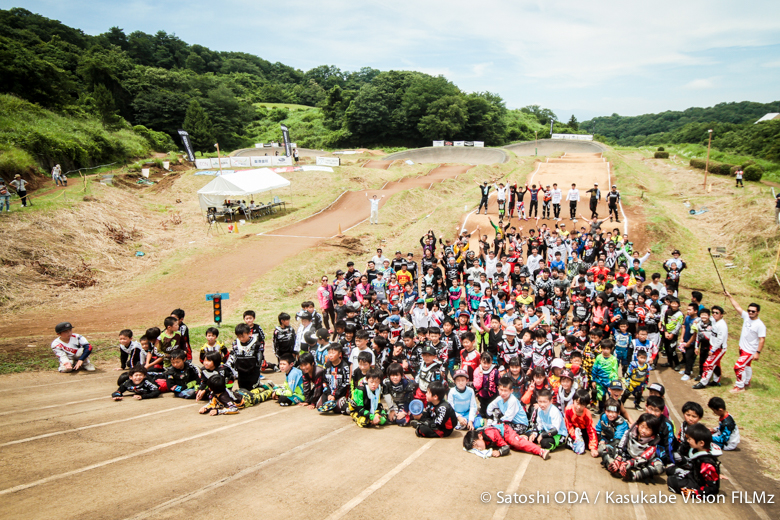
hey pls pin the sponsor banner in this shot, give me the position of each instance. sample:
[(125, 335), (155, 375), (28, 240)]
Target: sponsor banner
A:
[(479, 144), (438, 143), (346, 152), (185, 139), (286, 137), (225, 162), (328, 161), (293, 145), (281, 161), (447, 143), (261, 161), (202, 164), (468, 143), (459, 143), (240, 162), (258, 145), (574, 137), (268, 145)]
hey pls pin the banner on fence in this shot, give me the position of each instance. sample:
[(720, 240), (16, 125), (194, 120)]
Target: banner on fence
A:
[(202, 164), (574, 137), (459, 143), (261, 161), (240, 162), (328, 161), (479, 144), (281, 161), (438, 143)]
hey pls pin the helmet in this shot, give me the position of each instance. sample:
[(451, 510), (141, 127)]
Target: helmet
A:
[(62, 327)]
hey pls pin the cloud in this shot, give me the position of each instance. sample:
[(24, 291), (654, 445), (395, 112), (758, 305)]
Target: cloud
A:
[(699, 84), (771, 64)]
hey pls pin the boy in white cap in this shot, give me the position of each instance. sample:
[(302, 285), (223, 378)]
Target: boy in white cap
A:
[(71, 349)]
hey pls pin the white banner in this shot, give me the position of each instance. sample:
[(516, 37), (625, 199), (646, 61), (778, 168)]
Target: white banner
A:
[(479, 144), (328, 161), (459, 143), (258, 145), (261, 161), (293, 145), (573, 137), (202, 164), (240, 162), (438, 143), (281, 161)]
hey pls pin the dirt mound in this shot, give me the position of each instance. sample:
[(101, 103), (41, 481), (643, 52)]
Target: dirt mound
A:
[(380, 165)]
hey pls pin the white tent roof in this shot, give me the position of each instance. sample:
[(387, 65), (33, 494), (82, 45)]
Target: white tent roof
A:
[(239, 185)]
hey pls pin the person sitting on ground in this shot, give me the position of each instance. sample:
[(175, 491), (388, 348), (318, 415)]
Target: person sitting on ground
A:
[(579, 424), (611, 427), (130, 352), (182, 377), (700, 476), (138, 385), (438, 418), (72, 350), (726, 435), (549, 429), (366, 401), (635, 458), (291, 391), (223, 401)]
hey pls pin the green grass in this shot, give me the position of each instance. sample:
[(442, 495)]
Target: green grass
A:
[(28, 132), (697, 151), (288, 106)]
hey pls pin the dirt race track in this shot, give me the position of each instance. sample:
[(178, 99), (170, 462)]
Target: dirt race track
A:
[(548, 147), (452, 154), (68, 451), (176, 290)]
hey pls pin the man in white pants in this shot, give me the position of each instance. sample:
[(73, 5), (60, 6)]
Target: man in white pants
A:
[(573, 196), (751, 343), (72, 350), (375, 208), (557, 195)]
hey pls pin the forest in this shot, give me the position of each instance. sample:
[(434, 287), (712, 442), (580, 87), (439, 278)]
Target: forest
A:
[(113, 95)]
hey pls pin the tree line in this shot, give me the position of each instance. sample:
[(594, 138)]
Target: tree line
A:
[(161, 83)]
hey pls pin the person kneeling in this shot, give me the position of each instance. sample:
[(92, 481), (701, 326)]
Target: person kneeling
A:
[(438, 419), (636, 457), (549, 429), (701, 474)]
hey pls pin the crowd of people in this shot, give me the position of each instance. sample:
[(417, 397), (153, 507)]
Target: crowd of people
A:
[(527, 339)]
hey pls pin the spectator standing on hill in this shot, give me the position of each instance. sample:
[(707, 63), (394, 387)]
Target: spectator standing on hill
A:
[(777, 209), (739, 173), (20, 185), (55, 175), (751, 343)]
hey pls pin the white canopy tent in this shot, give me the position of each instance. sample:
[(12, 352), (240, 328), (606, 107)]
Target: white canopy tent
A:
[(239, 185)]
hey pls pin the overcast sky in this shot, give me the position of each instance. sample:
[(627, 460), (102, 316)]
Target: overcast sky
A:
[(586, 58)]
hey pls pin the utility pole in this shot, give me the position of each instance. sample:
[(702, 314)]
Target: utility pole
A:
[(219, 158), (707, 164), (536, 150)]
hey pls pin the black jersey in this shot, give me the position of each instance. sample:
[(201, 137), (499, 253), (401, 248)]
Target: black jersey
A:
[(284, 340)]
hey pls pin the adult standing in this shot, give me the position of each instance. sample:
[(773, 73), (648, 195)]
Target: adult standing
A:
[(595, 197), (484, 190), (20, 185), (55, 175), (5, 197), (557, 195), (710, 372), (751, 343), (613, 199), (295, 155), (375, 208), (379, 259), (325, 298), (573, 196)]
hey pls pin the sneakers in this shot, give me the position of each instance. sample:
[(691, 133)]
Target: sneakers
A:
[(699, 386), (681, 371), (698, 378), (714, 383), (737, 390), (637, 406), (545, 454), (685, 377), (88, 366), (414, 423)]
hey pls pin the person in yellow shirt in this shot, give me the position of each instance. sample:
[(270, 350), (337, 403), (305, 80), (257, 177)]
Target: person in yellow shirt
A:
[(404, 276)]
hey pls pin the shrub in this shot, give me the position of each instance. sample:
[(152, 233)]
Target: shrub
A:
[(661, 155), (159, 141), (697, 163), (661, 149), (723, 169), (733, 170), (753, 172)]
